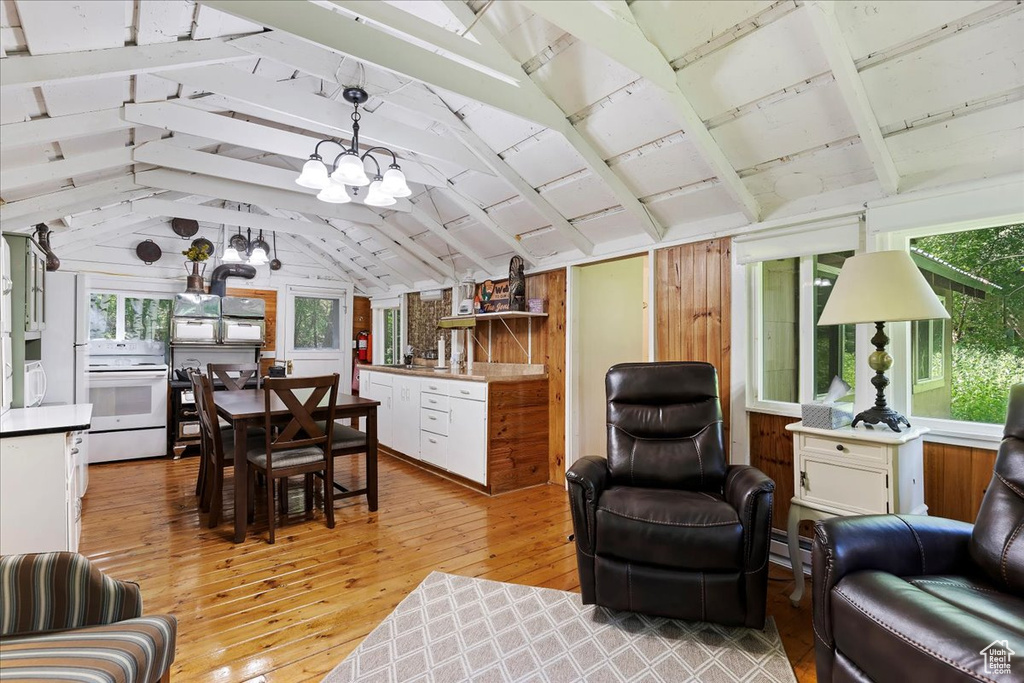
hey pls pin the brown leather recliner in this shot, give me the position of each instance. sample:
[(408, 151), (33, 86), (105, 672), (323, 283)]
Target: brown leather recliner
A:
[(665, 526), (915, 598)]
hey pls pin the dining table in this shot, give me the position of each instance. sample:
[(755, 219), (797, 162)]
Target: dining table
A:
[(246, 408)]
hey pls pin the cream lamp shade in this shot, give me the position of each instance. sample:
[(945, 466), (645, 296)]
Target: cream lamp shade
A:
[(881, 286)]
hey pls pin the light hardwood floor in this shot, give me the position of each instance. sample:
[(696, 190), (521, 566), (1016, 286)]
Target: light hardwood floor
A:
[(292, 611)]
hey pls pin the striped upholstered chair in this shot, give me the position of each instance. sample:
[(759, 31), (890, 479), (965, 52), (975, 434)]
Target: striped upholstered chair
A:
[(61, 619)]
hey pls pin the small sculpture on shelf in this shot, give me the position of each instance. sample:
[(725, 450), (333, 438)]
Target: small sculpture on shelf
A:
[(197, 253), (516, 285)]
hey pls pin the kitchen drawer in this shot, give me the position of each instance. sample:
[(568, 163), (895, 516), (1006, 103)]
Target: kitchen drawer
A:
[(474, 391), (848, 448), (188, 430), (434, 401), (860, 490), (434, 449), (382, 379), (434, 421), (434, 386)]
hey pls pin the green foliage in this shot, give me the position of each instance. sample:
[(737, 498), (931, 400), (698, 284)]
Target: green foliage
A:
[(316, 323), (102, 316), (147, 319), (198, 253), (981, 381)]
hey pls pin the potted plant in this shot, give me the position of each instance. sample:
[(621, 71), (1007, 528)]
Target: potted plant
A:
[(196, 254)]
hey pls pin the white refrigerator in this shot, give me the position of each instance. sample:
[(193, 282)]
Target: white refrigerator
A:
[(65, 341)]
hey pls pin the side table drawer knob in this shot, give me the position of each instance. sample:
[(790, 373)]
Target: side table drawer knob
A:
[(839, 447)]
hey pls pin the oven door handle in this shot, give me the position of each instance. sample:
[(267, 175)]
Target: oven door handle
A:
[(120, 376)]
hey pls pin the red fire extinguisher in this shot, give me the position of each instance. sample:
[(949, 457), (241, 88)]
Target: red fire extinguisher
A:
[(363, 345)]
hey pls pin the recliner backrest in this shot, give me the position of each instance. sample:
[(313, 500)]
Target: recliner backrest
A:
[(665, 426), (997, 543)]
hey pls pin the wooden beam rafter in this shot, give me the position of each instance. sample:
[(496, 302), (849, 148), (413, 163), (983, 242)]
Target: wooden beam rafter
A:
[(428, 221), (70, 167), (54, 128)]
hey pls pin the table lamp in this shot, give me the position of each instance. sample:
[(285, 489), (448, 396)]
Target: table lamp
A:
[(880, 287)]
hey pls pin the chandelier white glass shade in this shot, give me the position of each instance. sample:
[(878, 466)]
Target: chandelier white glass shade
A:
[(348, 169)]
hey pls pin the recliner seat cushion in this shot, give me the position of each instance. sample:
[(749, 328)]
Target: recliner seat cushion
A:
[(924, 628), (669, 528)]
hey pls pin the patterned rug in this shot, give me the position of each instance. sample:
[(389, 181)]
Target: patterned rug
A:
[(454, 628)]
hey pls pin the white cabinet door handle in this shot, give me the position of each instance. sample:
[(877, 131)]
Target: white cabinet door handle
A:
[(430, 400), (432, 440), (464, 391), (433, 417)]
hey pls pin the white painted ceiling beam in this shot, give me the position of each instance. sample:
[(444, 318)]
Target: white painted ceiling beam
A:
[(69, 67), (851, 87), (366, 253), (361, 41), (469, 252), (464, 49), (183, 119), (393, 233), (86, 219), (84, 239), (246, 193), (51, 129), (612, 29), (337, 263), (321, 111), (35, 174), (218, 165), (28, 212), (480, 216)]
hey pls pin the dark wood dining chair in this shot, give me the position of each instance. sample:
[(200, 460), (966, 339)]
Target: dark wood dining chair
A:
[(245, 371), (302, 447), (348, 441), (217, 448)]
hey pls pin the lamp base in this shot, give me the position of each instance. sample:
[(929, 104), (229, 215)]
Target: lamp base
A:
[(875, 415)]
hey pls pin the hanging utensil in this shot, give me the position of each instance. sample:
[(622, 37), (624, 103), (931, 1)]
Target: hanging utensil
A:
[(275, 263)]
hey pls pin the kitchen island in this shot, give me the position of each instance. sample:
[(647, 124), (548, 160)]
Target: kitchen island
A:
[(485, 427)]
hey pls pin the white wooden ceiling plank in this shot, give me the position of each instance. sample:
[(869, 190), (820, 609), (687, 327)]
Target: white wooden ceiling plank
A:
[(580, 76), (481, 217), (92, 144), (678, 28), (157, 206), (165, 21), (51, 206), (56, 128), (664, 168), (830, 37), (65, 99), (84, 239), (175, 117), (30, 71), (392, 230), (336, 262), (246, 193), (67, 168), (355, 246), (278, 97), (446, 235), (53, 27), (211, 23)]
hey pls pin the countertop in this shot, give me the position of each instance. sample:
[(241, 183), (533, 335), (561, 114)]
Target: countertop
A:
[(481, 372), (880, 434), (45, 420)]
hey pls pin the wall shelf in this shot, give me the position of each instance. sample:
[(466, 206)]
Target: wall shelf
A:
[(469, 323)]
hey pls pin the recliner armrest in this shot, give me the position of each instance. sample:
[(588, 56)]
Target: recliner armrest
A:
[(903, 545), (751, 493), (587, 478)]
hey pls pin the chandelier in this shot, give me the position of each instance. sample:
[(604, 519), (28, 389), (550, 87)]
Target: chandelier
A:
[(348, 168)]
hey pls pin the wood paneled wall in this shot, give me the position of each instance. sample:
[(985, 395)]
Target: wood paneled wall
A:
[(693, 299), (548, 345), (362, 315), (955, 477), (269, 297)]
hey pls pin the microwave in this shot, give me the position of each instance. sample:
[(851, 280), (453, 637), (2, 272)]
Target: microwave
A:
[(35, 384)]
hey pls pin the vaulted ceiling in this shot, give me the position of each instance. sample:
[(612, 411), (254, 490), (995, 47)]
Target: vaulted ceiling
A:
[(549, 129)]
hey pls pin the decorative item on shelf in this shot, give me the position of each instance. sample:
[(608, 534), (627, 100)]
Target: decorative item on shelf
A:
[(149, 252), (255, 250), (828, 414), (516, 285), (348, 169), (275, 263), (196, 254), (881, 287), (535, 305), (184, 227), (42, 238)]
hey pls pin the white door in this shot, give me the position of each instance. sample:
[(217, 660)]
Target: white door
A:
[(317, 323), (406, 416), (467, 439)]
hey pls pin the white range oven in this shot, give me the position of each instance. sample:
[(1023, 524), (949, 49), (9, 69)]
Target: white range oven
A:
[(128, 393)]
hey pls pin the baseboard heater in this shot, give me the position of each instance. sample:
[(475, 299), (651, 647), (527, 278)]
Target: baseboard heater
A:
[(778, 551)]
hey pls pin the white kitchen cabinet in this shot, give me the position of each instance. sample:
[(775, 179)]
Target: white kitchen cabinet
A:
[(405, 419), (378, 387), (467, 437), (40, 507)]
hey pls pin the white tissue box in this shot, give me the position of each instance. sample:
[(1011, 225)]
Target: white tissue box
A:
[(825, 415)]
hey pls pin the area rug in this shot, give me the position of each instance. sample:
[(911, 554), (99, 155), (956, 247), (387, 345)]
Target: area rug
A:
[(455, 628)]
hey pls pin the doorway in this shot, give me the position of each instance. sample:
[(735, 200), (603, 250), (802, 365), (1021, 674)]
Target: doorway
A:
[(609, 314), (317, 331)]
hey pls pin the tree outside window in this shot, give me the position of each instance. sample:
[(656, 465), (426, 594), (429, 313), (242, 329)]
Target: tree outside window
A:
[(834, 345), (963, 368), (392, 336), (317, 322), (102, 316)]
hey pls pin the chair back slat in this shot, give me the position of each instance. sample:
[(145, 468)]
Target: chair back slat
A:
[(209, 425), (302, 429), (246, 371)]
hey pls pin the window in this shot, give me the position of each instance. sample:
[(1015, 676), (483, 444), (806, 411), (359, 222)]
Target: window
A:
[(392, 341), (834, 345), (780, 330), (317, 323), (962, 368), (123, 317)]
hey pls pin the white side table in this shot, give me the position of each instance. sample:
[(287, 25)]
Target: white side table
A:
[(847, 471)]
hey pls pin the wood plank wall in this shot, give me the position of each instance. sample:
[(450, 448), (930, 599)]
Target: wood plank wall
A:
[(269, 297), (955, 477), (692, 299), (548, 345)]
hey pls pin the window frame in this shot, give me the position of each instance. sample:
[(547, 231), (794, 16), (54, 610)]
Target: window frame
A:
[(929, 383), (377, 328), (339, 322)]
